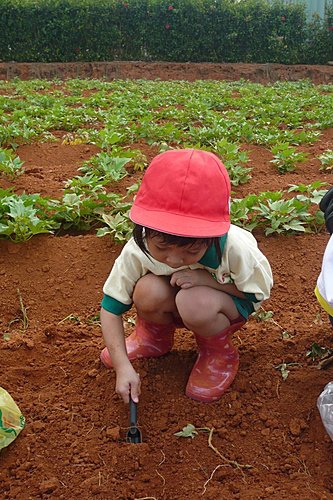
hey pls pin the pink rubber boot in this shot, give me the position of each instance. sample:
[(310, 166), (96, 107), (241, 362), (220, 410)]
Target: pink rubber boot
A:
[(216, 365), (149, 340)]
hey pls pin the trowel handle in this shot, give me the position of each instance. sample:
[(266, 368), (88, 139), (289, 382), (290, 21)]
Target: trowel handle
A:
[(133, 411)]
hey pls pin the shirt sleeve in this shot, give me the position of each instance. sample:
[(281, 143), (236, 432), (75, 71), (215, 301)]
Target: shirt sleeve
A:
[(126, 271), (249, 268)]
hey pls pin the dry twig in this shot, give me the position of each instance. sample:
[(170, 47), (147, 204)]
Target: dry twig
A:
[(232, 463), (325, 362), (160, 477), (211, 477), (163, 460)]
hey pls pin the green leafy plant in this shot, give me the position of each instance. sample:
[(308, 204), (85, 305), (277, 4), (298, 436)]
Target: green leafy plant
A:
[(211, 115), (88, 185), (316, 351), (263, 315), (107, 138), (94, 320), (283, 368), (324, 355), (283, 216), (189, 431), (312, 193), (80, 212), (242, 212), (118, 223), (286, 157), (139, 161), (326, 160), (234, 160), (10, 164), (21, 218), (106, 166), (119, 226)]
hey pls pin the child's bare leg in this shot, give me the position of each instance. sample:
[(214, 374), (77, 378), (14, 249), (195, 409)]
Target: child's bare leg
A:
[(205, 311), (154, 299)]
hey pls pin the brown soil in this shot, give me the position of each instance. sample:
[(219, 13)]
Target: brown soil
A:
[(73, 443), (262, 73)]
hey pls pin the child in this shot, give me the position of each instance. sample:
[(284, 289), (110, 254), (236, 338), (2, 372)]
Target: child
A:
[(185, 266), (324, 288)]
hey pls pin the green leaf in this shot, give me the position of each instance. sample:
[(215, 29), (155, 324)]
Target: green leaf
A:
[(284, 371), (187, 431)]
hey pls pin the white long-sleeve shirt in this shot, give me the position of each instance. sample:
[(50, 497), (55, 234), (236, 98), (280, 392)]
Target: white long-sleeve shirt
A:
[(324, 288)]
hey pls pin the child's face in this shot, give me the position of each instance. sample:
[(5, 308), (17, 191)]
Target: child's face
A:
[(175, 256)]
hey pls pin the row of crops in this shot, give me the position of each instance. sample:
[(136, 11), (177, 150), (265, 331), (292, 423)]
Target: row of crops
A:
[(118, 116)]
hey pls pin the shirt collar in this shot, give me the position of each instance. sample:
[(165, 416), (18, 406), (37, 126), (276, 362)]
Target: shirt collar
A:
[(210, 258)]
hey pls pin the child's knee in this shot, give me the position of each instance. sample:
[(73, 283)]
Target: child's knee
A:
[(151, 291), (193, 306)]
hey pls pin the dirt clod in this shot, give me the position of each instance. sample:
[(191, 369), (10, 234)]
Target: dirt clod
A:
[(73, 443)]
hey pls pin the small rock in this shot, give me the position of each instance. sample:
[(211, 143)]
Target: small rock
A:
[(49, 485), (29, 343), (294, 427), (222, 432), (221, 474), (37, 426), (13, 248), (113, 433)]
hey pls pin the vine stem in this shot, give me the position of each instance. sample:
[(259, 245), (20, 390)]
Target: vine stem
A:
[(232, 463)]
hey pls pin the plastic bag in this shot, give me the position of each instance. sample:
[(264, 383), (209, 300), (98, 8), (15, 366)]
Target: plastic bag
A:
[(11, 419), (325, 407)]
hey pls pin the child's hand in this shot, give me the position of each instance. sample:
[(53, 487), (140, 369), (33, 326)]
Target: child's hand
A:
[(128, 382), (187, 278)]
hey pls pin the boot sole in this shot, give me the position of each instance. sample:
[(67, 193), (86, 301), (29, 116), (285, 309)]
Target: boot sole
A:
[(203, 399)]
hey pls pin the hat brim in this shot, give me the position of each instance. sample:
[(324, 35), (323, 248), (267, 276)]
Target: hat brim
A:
[(178, 225)]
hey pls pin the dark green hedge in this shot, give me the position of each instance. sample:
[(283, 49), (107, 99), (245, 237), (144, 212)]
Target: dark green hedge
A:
[(171, 30)]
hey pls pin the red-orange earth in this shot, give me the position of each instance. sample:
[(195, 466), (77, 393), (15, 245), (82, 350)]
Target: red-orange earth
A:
[(266, 437)]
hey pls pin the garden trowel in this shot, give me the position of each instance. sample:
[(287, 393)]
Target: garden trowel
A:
[(133, 434)]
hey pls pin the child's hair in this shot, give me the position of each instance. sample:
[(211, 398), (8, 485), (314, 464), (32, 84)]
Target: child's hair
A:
[(140, 232)]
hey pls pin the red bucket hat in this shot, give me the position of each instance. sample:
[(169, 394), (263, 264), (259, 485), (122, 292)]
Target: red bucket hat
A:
[(184, 192)]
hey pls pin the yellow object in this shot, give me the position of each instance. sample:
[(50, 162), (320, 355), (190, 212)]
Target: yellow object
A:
[(11, 419)]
